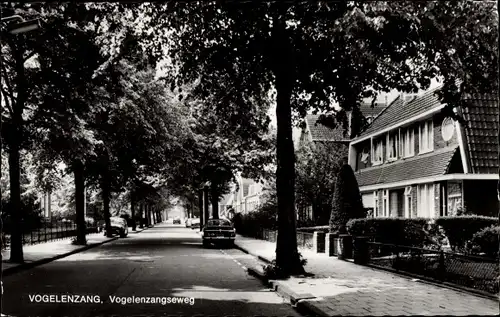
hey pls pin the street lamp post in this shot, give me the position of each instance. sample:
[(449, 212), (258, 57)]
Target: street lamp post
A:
[(14, 25)]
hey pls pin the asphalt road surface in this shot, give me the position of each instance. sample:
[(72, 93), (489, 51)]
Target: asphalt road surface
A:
[(161, 262)]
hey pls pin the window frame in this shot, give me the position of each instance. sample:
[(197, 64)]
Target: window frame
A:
[(426, 137), (392, 146), (385, 203), (408, 205), (377, 148), (376, 208)]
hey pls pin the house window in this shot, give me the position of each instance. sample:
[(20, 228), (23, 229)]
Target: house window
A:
[(426, 137), (375, 204), (385, 203), (425, 201), (408, 142), (392, 146), (378, 152), (408, 202)]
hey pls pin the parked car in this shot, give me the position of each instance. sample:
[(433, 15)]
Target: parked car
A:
[(195, 223), (118, 226), (219, 231), (177, 220)]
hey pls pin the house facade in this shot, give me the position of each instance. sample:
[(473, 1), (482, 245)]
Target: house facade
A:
[(245, 197), (414, 161)]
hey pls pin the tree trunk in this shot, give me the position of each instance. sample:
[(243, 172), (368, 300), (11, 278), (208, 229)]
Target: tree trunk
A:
[(214, 193), (141, 215), (155, 220), (16, 238), (132, 209), (287, 255), (106, 195), (200, 207), (205, 205), (81, 230)]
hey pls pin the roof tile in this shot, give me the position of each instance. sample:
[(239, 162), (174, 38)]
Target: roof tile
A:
[(428, 165)]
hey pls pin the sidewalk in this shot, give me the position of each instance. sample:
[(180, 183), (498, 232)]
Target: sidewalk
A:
[(42, 253), (344, 288)]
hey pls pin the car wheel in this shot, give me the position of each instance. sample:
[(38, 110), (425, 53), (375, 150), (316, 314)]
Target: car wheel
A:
[(230, 244), (205, 244)]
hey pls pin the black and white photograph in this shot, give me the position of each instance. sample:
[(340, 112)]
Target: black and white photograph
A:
[(250, 158)]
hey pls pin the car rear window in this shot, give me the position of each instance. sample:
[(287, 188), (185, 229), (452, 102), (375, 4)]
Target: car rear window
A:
[(218, 223)]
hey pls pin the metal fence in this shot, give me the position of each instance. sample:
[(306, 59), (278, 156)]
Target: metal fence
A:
[(476, 272), (50, 231)]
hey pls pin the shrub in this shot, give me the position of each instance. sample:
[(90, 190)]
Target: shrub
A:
[(487, 240), (460, 229), (401, 231), (347, 202)]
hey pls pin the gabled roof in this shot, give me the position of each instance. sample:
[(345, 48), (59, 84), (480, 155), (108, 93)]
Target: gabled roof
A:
[(367, 110), (399, 111), (320, 132), (481, 116), (433, 164)]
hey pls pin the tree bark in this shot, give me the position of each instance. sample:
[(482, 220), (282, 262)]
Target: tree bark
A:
[(15, 141), (106, 195), (287, 255), (16, 239), (132, 209), (214, 193), (200, 207), (141, 215), (78, 172)]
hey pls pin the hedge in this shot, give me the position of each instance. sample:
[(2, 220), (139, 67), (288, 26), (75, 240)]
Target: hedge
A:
[(400, 231), (487, 241), (460, 229), (252, 223)]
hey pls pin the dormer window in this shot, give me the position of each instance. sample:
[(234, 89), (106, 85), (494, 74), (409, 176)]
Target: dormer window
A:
[(426, 137), (392, 146), (407, 142), (377, 151)]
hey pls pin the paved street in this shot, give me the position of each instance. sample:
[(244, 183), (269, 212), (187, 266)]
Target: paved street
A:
[(163, 261)]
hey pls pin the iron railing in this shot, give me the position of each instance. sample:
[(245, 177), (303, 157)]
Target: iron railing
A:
[(477, 272), (49, 231)]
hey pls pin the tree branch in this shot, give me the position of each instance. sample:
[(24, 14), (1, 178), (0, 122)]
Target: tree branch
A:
[(7, 102), (6, 78), (30, 55)]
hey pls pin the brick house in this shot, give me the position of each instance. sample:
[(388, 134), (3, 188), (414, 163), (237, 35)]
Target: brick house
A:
[(413, 161)]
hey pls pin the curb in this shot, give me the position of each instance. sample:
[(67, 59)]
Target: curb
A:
[(263, 259), (297, 300), (309, 309), (26, 266), (290, 294)]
